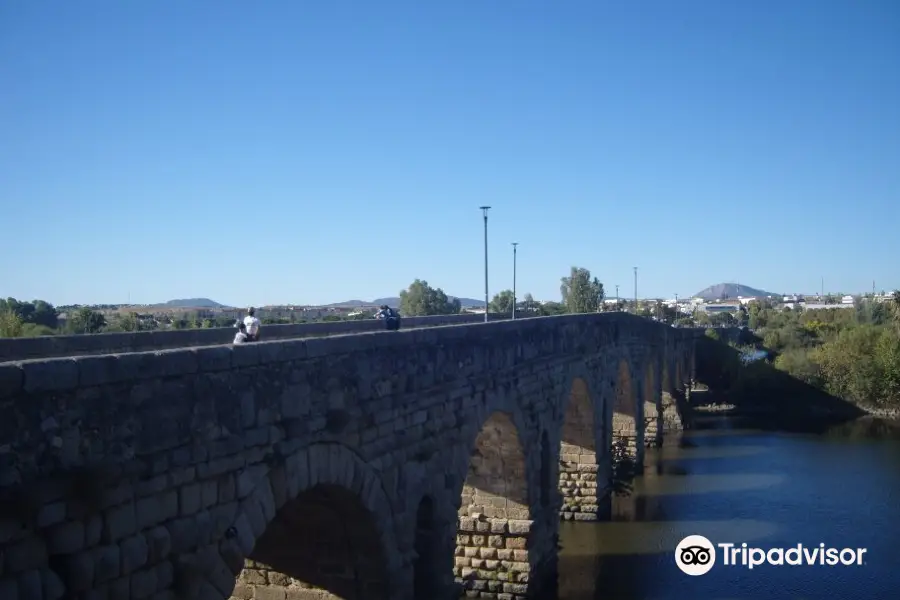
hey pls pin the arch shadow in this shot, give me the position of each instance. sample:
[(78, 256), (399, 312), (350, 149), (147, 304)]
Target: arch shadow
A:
[(319, 520), (584, 459), (504, 543), (652, 404)]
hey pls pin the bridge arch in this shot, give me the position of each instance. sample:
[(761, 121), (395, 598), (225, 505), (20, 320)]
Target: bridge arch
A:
[(627, 413), (579, 461), (503, 545), (319, 523)]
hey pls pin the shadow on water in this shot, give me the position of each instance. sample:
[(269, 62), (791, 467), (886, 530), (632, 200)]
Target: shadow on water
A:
[(739, 480)]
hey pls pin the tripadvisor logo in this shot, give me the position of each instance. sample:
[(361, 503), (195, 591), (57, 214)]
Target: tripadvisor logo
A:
[(696, 555)]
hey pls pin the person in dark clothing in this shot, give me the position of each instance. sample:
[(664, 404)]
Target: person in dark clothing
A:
[(390, 316)]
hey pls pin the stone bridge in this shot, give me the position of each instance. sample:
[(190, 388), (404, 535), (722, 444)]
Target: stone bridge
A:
[(428, 463)]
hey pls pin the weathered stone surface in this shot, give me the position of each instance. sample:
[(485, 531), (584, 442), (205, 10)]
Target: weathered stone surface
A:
[(312, 468)]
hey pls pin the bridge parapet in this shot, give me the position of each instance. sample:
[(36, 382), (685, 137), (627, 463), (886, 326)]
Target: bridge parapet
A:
[(12, 349)]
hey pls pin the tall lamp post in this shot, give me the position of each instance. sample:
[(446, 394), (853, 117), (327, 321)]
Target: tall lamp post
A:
[(618, 308), (514, 245), (675, 318), (635, 291), (484, 211)]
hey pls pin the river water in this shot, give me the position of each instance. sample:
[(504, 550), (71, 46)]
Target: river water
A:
[(768, 489)]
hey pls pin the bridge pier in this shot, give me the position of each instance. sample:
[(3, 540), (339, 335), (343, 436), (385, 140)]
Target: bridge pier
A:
[(578, 468), (499, 554)]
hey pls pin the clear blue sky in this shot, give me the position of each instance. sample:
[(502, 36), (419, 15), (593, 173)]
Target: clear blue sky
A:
[(311, 152)]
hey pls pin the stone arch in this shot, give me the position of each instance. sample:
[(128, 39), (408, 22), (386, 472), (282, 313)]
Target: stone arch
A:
[(319, 523), (495, 517), (652, 422), (626, 412), (578, 458)]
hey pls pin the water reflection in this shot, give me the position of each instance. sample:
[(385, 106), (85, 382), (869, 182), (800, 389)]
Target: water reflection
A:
[(735, 484)]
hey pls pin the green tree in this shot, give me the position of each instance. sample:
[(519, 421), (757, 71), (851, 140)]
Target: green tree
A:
[(37, 312), (580, 293), (86, 320), (528, 303), (420, 300), (126, 322), (551, 309), (502, 303), (10, 324), (722, 319)]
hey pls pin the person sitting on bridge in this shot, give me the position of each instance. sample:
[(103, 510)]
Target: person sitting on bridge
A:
[(252, 324), (241, 336), (391, 317)]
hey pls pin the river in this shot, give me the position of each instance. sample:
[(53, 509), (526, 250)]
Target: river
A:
[(768, 489)]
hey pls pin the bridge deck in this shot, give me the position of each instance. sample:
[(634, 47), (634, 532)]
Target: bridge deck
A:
[(18, 349)]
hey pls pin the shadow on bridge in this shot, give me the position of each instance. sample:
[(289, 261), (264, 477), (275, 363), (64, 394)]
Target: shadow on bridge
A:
[(324, 540)]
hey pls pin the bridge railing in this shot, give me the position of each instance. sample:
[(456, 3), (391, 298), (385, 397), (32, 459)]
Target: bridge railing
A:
[(13, 349)]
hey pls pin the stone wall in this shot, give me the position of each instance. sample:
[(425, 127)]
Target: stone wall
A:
[(142, 341), (219, 472)]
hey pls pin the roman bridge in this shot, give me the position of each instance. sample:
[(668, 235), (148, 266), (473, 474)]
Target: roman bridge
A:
[(427, 463)]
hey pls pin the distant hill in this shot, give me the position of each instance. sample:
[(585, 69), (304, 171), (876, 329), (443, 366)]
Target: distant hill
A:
[(395, 301), (194, 303), (722, 291)]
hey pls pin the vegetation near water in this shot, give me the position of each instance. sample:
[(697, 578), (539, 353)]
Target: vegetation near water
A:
[(850, 353)]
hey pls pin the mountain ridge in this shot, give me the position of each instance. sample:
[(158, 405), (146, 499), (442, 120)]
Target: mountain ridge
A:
[(723, 291)]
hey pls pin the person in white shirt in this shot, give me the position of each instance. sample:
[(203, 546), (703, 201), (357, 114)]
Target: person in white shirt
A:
[(241, 336), (252, 324)]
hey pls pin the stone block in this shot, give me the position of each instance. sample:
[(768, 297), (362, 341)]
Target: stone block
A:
[(26, 554), (98, 370), (50, 375), (119, 522), (213, 358), (12, 378), (67, 538), (134, 552)]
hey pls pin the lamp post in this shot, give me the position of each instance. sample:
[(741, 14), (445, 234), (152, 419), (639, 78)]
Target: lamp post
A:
[(617, 298), (635, 291), (675, 318), (514, 245), (484, 211)]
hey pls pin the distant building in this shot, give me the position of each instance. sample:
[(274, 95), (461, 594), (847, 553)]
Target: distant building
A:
[(847, 300), (725, 307), (817, 305)]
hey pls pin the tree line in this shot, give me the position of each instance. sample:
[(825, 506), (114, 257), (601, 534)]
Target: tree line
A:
[(39, 318), (851, 353), (580, 292)]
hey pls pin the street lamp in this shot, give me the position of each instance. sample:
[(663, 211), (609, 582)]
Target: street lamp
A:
[(618, 308), (514, 244), (635, 291), (484, 211)]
